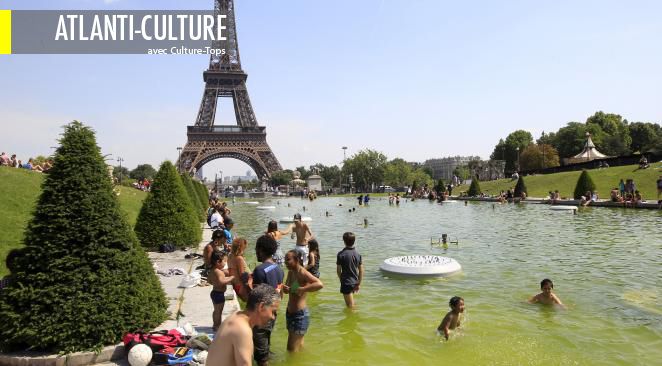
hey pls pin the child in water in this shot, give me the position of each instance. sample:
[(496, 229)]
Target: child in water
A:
[(546, 297), (452, 319)]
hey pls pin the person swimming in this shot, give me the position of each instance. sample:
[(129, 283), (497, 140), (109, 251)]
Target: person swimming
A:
[(452, 318), (546, 297)]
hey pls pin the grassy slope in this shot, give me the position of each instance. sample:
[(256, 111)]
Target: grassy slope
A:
[(19, 190), (604, 179)]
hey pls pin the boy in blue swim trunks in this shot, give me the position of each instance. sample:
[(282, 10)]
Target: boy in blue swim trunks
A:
[(299, 282), (349, 266), (220, 281)]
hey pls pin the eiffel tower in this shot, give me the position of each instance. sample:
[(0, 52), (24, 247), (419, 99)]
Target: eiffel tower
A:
[(245, 141)]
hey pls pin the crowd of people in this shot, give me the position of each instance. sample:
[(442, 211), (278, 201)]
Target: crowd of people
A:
[(246, 335), (627, 193), (13, 162)]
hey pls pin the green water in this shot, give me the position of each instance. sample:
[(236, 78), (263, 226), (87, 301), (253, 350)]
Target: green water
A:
[(605, 264)]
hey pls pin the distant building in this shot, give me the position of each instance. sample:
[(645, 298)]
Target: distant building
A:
[(443, 168), (236, 178)]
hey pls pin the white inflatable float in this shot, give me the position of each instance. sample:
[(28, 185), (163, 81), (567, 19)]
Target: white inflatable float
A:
[(290, 219), (563, 208), (266, 207), (421, 265), (251, 203)]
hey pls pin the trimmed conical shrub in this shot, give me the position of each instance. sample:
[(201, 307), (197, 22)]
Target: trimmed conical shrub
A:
[(440, 187), (167, 214), (474, 188), (82, 280), (584, 184), (193, 197), (520, 187), (203, 196)]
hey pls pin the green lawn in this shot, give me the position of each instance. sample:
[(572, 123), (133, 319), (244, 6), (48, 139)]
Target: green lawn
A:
[(19, 190), (604, 179)]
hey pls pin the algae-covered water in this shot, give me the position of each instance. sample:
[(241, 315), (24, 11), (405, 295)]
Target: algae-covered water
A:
[(605, 264)]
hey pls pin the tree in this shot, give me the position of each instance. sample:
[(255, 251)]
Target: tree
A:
[(202, 193), (281, 177), (82, 280), (584, 184), (143, 171), (167, 215), (499, 152), (507, 150), (440, 187), (617, 138), (193, 197), (117, 170), (397, 173), (474, 188), (520, 187), (461, 172), (367, 168), (422, 177), (532, 157), (643, 135)]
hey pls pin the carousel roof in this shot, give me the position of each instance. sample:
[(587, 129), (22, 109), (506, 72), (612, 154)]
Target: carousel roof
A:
[(589, 152)]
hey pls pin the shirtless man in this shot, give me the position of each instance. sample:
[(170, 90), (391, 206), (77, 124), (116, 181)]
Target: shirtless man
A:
[(233, 343), (303, 234)]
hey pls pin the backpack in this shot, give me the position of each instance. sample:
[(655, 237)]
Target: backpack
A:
[(166, 248), (155, 340)]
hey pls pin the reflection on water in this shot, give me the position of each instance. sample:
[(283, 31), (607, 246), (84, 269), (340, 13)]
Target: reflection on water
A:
[(604, 264)]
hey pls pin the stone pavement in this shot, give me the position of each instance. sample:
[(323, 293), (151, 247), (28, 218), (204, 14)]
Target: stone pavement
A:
[(192, 304)]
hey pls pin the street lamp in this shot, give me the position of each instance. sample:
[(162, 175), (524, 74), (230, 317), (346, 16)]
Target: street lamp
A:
[(220, 171), (120, 160), (517, 148), (542, 141), (344, 150), (179, 159)]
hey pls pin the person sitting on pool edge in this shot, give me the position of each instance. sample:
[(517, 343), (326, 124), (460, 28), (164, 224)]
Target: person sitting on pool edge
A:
[(546, 297)]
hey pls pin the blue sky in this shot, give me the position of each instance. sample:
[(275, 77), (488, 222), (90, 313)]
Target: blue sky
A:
[(413, 79)]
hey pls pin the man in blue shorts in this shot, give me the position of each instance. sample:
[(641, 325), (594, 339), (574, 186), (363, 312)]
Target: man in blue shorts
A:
[(269, 273), (349, 266)]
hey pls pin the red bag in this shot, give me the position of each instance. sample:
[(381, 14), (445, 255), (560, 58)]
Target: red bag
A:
[(155, 340)]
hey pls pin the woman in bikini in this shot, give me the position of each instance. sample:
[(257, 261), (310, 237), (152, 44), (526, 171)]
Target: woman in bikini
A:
[(238, 268), (299, 282)]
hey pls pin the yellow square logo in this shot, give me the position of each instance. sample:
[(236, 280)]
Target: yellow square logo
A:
[(5, 32)]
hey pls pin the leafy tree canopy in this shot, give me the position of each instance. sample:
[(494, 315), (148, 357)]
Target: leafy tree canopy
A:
[(281, 177), (143, 171), (532, 157), (367, 168), (397, 173)]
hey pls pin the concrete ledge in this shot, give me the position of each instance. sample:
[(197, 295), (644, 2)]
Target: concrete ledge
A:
[(642, 205), (108, 353)]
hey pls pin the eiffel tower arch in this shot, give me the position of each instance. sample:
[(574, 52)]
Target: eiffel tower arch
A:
[(245, 141)]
